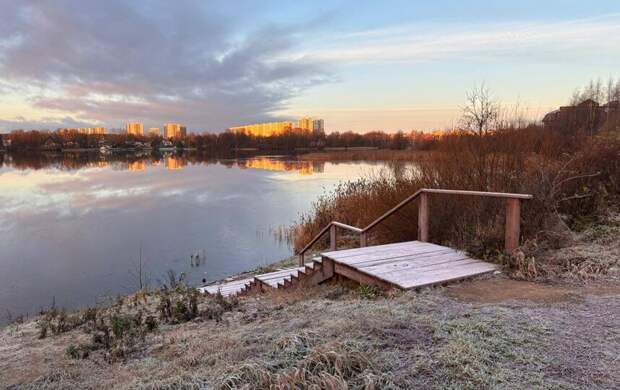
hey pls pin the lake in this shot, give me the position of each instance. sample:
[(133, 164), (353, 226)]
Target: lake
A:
[(74, 227)]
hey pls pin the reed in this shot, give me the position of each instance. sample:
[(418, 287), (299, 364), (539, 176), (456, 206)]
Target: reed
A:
[(572, 177)]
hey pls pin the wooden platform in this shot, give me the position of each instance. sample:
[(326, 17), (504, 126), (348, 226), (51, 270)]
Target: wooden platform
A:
[(406, 265), (403, 265)]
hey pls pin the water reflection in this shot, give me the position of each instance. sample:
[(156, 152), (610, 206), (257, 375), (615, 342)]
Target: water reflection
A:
[(75, 226), (172, 161)]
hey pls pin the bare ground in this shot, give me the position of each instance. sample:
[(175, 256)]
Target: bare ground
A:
[(486, 333)]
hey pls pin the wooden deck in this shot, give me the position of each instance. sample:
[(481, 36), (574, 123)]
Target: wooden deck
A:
[(406, 265)]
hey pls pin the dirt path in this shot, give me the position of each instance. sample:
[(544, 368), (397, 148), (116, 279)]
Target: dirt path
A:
[(497, 290)]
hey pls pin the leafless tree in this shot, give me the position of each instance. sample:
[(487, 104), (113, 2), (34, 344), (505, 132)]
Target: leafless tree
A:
[(481, 113), (598, 91)]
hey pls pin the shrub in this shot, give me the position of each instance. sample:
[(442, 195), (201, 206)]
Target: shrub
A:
[(571, 177), (368, 292)]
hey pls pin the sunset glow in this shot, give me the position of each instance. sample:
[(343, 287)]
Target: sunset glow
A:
[(211, 66)]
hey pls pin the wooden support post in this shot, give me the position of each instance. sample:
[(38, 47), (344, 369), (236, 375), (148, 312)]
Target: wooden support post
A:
[(363, 239), (423, 218), (301, 260), (513, 225), (332, 238)]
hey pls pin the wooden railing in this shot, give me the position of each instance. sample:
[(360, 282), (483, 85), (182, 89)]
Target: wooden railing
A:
[(512, 229)]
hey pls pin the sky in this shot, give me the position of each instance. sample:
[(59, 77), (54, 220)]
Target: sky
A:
[(359, 65)]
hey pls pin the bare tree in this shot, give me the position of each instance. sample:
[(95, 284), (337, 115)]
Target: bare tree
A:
[(481, 113)]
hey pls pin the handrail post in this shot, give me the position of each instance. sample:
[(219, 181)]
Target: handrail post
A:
[(301, 259), (363, 239), (332, 238), (423, 218), (513, 225)]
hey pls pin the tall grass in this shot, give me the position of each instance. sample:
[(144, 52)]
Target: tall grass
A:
[(571, 176)]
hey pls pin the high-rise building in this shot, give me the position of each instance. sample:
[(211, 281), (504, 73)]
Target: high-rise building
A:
[(174, 130), (305, 123), (318, 125), (263, 129), (135, 128), (154, 131), (85, 130)]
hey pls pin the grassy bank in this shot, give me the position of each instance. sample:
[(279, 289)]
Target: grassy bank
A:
[(487, 333)]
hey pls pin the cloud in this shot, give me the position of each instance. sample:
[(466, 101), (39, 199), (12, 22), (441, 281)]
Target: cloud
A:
[(44, 123), (113, 61), (423, 43)]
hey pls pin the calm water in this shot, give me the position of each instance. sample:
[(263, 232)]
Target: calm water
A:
[(71, 227)]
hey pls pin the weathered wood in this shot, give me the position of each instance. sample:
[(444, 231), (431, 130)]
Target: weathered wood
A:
[(513, 225), (407, 245), (405, 265), (360, 276), (380, 253), (479, 193), (414, 263), (346, 227), (332, 238), (226, 288), (423, 218)]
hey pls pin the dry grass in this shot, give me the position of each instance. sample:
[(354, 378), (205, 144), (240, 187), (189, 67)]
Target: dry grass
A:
[(575, 182), (330, 337)]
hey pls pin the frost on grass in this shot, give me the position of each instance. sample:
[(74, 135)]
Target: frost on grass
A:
[(327, 337)]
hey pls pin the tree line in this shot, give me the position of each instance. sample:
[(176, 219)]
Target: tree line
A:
[(35, 140)]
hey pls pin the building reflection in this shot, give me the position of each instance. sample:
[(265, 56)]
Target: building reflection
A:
[(175, 162), (136, 163), (270, 164)]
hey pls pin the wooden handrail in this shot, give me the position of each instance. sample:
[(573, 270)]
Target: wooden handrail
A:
[(512, 229), (446, 192), (393, 209), (332, 228)]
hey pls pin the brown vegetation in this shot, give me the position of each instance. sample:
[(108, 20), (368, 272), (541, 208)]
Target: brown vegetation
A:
[(331, 337), (365, 155), (575, 180)]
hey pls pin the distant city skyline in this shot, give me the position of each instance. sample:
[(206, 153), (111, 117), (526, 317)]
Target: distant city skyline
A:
[(398, 66)]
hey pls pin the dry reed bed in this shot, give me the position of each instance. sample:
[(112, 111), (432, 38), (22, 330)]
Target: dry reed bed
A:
[(575, 182)]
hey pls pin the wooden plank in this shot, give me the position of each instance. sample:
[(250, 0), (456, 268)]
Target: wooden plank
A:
[(420, 264), (364, 261), (479, 193), (428, 280), (387, 248), (360, 277), (372, 257), (354, 251), (423, 218), (429, 269), (416, 257), (513, 225), (409, 280), (212, 289)]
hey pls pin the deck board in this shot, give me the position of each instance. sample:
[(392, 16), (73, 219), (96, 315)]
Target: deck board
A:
[(226, 288), (272, 279), (411, 264)]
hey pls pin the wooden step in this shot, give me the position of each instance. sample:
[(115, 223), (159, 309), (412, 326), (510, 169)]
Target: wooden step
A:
[(226, 288)]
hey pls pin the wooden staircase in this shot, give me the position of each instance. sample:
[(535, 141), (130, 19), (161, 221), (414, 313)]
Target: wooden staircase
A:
[(310, 274), (403, 265)]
